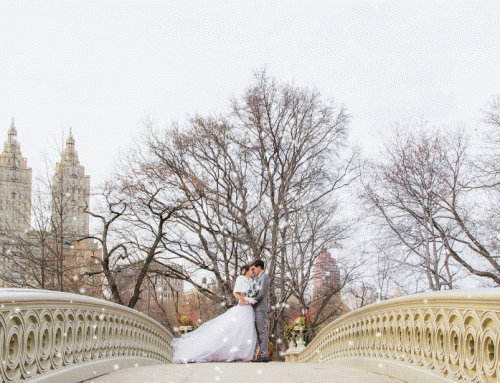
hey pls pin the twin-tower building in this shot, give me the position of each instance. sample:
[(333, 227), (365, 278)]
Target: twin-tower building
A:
[(42, 232), (70, 191)]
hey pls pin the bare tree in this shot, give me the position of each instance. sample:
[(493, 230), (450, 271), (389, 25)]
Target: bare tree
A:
[(362, 294), (429, 198), (317, 227), (260, 182), (486, 164), (133, 210), (205, 165), (256, 181), (295, 140), (492, 112), (403, 193)]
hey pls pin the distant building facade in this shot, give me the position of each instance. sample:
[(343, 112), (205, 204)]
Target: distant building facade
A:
[(15, 187), (70, 193), (52, 255), (326, 275), (158, 284)]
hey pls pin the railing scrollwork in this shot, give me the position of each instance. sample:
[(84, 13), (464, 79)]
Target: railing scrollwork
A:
[(44, 334), (452, 336)]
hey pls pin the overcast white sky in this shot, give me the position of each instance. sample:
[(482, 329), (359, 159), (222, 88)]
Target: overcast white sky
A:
[(101, 67)]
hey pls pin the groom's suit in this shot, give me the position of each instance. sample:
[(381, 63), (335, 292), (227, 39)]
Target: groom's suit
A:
[(261, 284)]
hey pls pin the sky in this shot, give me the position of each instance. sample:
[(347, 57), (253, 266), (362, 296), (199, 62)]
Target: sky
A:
[(103, 67)]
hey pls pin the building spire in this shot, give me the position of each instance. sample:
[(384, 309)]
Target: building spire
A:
[(70, 155), (12, 129), (70, 137), (11, 137)]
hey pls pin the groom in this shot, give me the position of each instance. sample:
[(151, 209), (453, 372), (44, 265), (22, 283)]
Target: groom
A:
[(261, 285)]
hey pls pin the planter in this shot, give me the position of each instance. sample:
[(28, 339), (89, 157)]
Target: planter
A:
[(299, 331)]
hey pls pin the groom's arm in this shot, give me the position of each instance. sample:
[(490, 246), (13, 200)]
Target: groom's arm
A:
[(264, 287)]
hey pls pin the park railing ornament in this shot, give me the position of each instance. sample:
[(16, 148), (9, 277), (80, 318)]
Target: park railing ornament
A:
[(48, 336), (448, 336), (185, 329)]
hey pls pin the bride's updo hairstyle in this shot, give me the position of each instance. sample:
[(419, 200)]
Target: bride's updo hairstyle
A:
[(244, 269)]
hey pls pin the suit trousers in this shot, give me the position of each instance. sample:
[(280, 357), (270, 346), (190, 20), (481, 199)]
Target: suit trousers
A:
[(262, 333)]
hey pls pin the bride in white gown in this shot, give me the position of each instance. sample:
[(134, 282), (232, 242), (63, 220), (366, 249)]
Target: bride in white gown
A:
[(226, 338)]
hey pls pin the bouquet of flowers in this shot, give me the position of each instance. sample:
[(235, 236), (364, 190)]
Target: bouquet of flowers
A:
[(250, 296), (252, 293)]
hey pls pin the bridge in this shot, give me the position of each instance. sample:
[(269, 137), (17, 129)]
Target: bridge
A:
[(451, 336)]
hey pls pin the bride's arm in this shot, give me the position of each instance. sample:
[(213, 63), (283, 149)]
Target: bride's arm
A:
[(238, 287), (241, 298)]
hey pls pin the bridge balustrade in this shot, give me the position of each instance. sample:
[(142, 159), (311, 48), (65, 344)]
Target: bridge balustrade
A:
[(440, 336), (48, 336)]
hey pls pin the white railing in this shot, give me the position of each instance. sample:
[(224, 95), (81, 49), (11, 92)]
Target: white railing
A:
[(441, 336), (48, 336)]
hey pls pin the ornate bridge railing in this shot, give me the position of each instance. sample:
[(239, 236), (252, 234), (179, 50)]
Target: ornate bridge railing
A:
[(48, 336), (433, 337)]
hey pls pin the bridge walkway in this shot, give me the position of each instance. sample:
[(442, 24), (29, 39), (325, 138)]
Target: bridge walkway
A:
[(275, 372)]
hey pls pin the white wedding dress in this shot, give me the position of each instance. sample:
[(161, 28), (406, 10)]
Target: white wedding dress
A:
[(228, 337)]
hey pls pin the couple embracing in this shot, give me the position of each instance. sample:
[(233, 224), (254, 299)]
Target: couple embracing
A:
[(233, 335)]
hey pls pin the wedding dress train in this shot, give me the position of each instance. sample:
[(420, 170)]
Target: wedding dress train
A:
[(228, 337)]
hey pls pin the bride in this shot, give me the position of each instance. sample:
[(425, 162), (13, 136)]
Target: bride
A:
[(228, 337)]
